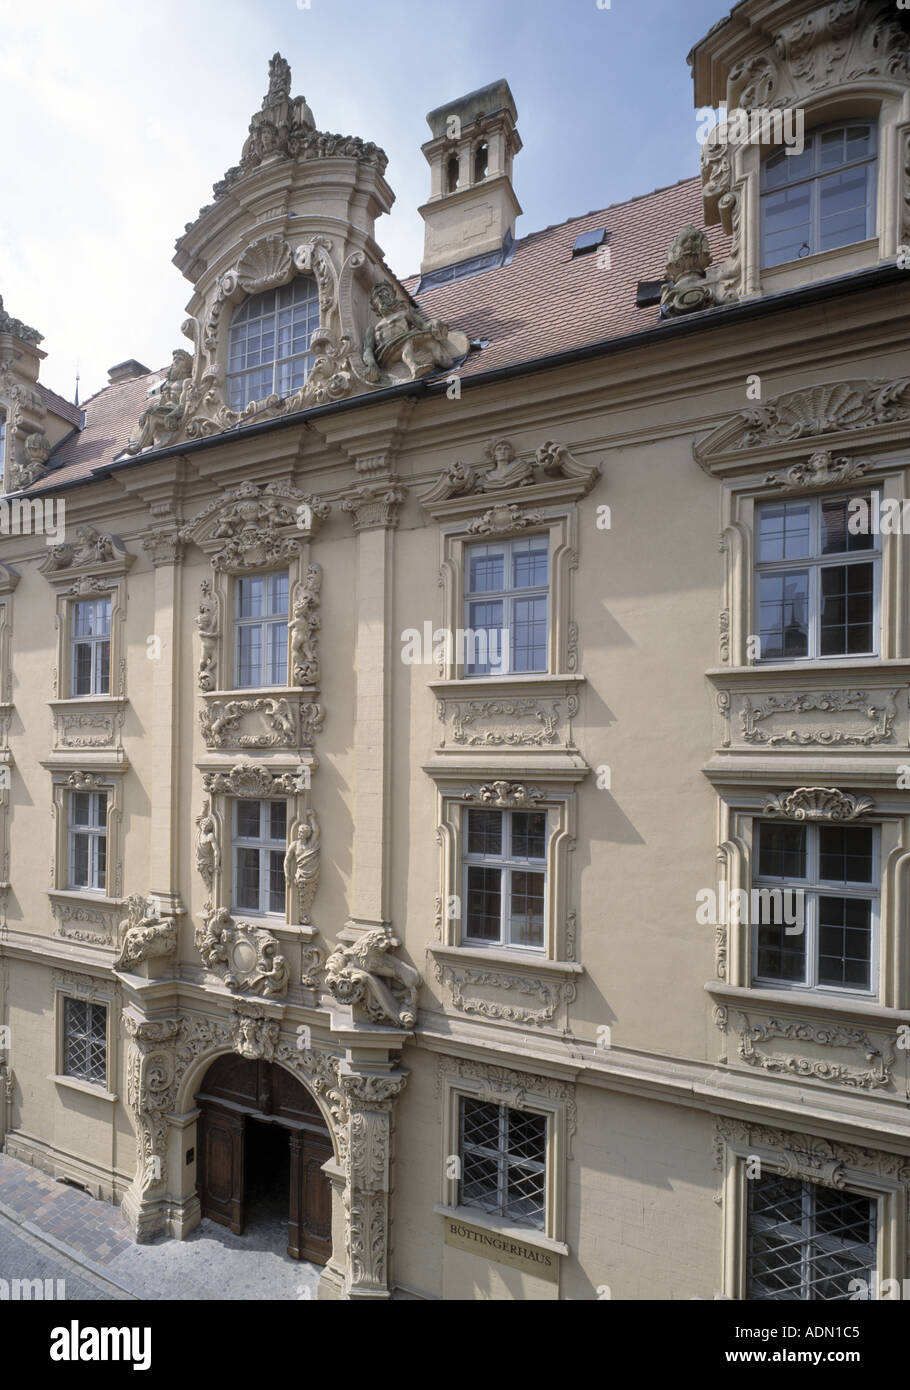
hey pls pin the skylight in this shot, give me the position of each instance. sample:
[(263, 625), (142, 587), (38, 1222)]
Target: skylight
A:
[(589, 241)]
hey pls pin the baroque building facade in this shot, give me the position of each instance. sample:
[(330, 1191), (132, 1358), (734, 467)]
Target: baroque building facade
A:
[(433, 678)]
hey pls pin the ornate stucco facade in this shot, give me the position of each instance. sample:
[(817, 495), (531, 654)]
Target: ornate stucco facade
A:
[(635, 435)]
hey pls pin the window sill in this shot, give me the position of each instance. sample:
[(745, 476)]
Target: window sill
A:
[(498, 955), (468, 685), (527, 1235), (83, 895), (85, 1087), (803, 666), (857, 1010)]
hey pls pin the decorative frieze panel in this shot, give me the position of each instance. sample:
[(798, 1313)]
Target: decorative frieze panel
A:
[(90, 723), (838, 1053), (510, 717), (78, 920), (769, 718), (806, 1156), (253, 780), (263, 721), (524, 998)]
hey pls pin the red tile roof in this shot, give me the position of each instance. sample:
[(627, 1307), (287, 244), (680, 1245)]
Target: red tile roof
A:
[(543, 301), (58, 406)]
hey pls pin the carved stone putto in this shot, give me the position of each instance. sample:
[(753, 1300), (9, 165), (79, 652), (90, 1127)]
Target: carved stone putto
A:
[(816, 804), (821, 470), (505, 794), (91, 547), (245, 956), (144, 934), (304, 625), (365, 975), (208, 626), (504, 468)]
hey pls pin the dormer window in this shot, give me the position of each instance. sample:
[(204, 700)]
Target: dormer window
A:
[(481, 162), (822, 198), (269, 344)]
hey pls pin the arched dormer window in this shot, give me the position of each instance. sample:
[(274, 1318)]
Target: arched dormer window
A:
[(269, 342), (481, 161), (820, 199), (452, 174)]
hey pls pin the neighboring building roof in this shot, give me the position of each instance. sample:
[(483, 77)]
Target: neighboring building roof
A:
[(110, 419), (58, 406), (543, 301)]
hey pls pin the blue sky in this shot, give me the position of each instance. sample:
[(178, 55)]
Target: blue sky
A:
[(127, 112)]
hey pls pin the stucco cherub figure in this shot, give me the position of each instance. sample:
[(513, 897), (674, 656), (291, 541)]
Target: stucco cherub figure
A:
[(144, 933), (358, 974), (401, 334), (208, 850), (207, 625), (161, 418), (301, 864), (303, 627)]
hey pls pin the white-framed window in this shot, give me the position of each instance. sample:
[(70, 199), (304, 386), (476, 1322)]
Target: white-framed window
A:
[(269, 342), (90, 651), (87, 837), (259, 845), (817, 583), (507, 598), (85, 1041), (822, 198), (806, 1241), (505, 878), (833, 943), (261, 630), (503, 1155)]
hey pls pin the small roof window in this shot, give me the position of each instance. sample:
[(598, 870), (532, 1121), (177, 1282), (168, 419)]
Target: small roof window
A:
[(589, 241)]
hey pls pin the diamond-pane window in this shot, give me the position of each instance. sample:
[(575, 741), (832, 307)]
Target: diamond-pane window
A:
[(808, 1242), (503, 1161), (85, 1041)]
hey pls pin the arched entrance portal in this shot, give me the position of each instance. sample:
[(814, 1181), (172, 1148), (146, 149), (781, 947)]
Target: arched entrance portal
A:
[(259, 1130)]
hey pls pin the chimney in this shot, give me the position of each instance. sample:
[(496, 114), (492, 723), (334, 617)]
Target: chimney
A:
[(125, 371), (472, 206)]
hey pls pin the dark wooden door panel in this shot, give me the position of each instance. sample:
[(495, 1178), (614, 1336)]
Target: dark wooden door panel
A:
[(220, 1183), (310, 1214)]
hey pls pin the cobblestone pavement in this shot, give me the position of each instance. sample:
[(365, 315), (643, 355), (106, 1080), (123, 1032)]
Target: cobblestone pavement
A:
[(210, 1264)]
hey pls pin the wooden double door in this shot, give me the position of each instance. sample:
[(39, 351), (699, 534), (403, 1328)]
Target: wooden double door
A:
[(237, 1100)]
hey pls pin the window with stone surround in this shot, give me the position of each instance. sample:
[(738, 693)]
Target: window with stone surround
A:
[(87, 841), (261, 630), (90, 656), (269, 342), (503, 1155), (822, 933), (85, 1041), (817, 583), (821, 197), (506, 607), (505, 878), (807, 1241), (259, 848)]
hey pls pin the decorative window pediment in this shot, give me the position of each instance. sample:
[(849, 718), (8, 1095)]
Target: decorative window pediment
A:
[(492, 488), (785, 426)]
